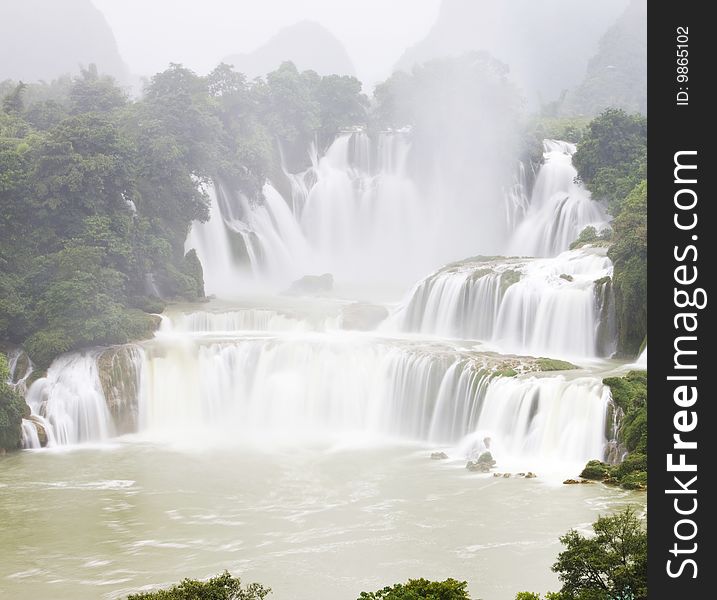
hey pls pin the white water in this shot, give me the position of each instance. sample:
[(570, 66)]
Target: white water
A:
[(358, 213), (551, 309), (70, 401), (296, 386), (560, 207)]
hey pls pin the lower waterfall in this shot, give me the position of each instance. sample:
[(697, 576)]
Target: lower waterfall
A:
[(324, 385), (70, 401)]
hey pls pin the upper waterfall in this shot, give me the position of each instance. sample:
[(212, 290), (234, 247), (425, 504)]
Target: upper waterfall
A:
[(359, 211), (550, 306), (559, 209)]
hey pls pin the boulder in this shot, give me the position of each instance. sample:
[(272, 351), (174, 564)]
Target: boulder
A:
[(570, 481), (439, 455), (530, 475), (474, 465), (40, 428)]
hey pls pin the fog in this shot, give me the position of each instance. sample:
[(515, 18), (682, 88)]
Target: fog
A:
[(199, 34)]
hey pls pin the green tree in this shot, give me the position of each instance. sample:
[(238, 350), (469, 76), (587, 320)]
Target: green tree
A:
[(612, 157), (417, 589), (222, 587), (610, 565)]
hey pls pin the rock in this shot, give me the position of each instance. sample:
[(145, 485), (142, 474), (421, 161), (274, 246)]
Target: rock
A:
[(520, 474), (117, 367), (566, 277), (40, 428), (570, 481), (506, 475), (362, 317), (311, 284), (586, 481), (474, 465), (530, 475), (439, 455), (26, 412), (497, 474), (486, 458)]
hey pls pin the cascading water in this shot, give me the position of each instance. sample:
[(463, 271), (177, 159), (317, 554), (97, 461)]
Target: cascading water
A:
[(70, 401), (560, 207), (543, 306), (335, 384), (357, 212), (245, 369), (290, 385)]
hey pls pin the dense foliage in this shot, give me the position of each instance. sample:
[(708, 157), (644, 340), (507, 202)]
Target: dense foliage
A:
[(611, 160), (98, 192), (609, 565), (418, 589), (222, 587), (12, 407), (629, 393)]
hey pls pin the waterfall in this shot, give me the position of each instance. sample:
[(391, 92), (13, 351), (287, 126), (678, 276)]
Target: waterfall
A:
[(533, 306), (70, 401), (337, 384), (560, 207), (358, 212), (248, 319)]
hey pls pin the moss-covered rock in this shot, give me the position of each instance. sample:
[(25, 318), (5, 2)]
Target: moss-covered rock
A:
[(596, 470), (120, 384), (554, 364), (508, 278)]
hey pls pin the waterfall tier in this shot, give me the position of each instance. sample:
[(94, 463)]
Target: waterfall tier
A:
[(559, 208), (358, 212), (327, 385), (557, 306)]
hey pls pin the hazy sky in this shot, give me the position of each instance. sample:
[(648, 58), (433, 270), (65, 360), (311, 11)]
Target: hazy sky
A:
[(151, 33)]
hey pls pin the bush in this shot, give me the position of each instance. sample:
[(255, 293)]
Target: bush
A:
[(222, 587), (596, 469), (632, 462), (415, 589), (590, 235)]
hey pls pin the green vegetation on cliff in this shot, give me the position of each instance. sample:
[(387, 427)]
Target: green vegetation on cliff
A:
[(98, 192), (12, 407), (629, 393), (611, 160)]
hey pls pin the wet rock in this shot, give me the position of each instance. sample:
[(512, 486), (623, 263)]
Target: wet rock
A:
[(570, 482), (520, 474), (40, 428), (439, 455), (506, 475), (530, 475), (497, 474), (119, 377), (474, 465)]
